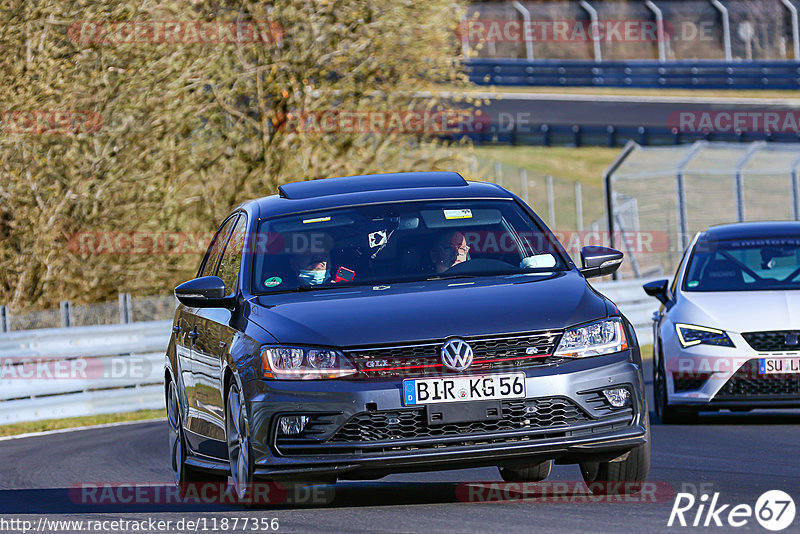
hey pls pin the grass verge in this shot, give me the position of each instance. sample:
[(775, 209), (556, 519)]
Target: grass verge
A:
[(72, 422), (583, 164)]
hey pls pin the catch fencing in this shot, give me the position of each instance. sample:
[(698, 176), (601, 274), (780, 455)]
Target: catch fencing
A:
[(684, 190)]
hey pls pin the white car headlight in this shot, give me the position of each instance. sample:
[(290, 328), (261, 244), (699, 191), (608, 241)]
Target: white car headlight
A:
[(593, 339), (304, 363), (690, 334)]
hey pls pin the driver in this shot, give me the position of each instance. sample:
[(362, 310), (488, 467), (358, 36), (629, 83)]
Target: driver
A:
[(449, 250), (312, 269)]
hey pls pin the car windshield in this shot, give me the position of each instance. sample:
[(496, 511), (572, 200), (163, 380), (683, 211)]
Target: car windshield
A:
[(399, 242), (744, 265)]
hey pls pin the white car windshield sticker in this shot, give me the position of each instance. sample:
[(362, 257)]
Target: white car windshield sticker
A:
[(377, 239), (273, 281), (458, 214)]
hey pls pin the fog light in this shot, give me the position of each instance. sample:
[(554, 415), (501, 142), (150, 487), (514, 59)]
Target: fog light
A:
[(618, 397), (292, 424)]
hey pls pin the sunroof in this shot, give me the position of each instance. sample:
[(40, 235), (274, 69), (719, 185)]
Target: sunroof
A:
[(370, 182)]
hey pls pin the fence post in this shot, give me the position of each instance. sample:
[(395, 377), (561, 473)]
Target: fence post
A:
[(523, 179), (5, 325), (795, 190), (578, 206), (551, 202), (125, 312), (66, 314), (498, 173), (726, 28)]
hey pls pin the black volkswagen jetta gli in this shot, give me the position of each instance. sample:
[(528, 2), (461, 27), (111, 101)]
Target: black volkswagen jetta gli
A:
[(353, 327)]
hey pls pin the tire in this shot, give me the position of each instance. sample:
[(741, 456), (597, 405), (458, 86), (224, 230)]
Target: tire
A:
[(668, 415), (240, 452), (619, 478), (184, 474), (531, 473)]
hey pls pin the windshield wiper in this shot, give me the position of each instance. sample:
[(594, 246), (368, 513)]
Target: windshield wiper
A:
[(451, 277)]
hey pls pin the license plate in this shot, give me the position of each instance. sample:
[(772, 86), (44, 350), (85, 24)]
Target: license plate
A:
[(778, 366), (463, 389)]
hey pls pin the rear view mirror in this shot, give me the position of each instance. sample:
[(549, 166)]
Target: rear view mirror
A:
[(204, 292), (600, 261), (657, 289)]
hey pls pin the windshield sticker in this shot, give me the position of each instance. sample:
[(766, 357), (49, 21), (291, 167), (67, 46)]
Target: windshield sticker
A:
[(693, 283), (376, 239), (458, 214), (273, 281), (317, 220)]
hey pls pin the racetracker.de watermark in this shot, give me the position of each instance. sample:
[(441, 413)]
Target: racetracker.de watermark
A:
[(414, 122), (568, 492), (564, 31), (258, 493), (735, 121), (107, 32), (41, 122)]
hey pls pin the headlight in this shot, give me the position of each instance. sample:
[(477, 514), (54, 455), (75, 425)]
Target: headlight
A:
[(304, 363), (690, 334), (593, 339)]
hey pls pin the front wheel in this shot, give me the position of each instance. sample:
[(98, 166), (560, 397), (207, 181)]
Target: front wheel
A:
[(668, 415), (531, 473), (621, 477)]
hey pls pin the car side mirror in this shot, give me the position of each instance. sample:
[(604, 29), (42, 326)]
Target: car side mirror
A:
[(204, 292), (657, 289), (600, 261)]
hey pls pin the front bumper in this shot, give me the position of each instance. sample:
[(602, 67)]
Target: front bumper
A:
[(572, 423), (712, 378)]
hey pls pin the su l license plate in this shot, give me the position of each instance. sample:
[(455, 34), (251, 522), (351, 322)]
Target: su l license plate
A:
[(778, 366), (463, 388)]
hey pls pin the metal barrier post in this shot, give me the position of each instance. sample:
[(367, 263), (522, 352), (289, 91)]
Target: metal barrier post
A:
[(726, 28), (526, 17), (551, 202), (578, 206), (739, 182), (662, 54), (795, 190), (598, 53), (66, 314), (523, 182), (125, 311), (5, 325), (795, 28)]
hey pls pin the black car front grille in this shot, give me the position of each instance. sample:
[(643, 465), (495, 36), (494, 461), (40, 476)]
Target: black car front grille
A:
[(746, 383), (397, 424), (774, 341), (491, 353), (408, 429)]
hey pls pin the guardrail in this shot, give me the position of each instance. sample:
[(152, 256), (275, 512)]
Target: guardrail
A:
[(91, 370), (67, 372), (694, 74)]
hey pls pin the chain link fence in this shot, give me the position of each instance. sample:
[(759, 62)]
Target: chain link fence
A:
[(675, 192), (692, 29), (126, 310)]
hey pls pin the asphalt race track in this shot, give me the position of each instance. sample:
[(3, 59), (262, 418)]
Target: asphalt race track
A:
[(739, 456), (619, 110)]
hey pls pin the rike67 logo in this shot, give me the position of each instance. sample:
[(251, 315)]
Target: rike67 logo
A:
[(774, 510)]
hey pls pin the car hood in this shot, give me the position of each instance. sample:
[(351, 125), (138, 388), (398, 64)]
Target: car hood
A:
[(740, 311), (367, 315)]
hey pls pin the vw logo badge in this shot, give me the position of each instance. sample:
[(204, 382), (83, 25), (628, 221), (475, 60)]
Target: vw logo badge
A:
[(457, 354)]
